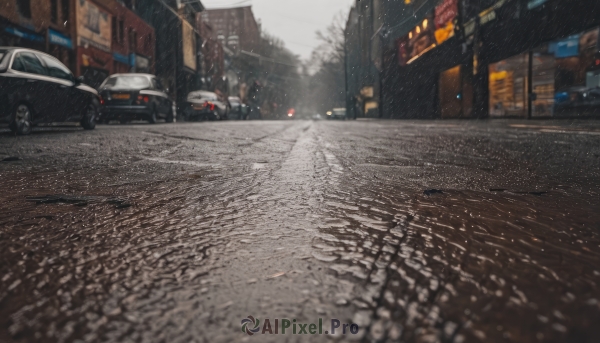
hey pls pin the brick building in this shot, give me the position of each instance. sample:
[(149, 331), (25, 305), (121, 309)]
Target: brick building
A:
[(133, 42), (470, 58), (39, 24), (94, 38), (213, 58), (235, 28), (111, 39)]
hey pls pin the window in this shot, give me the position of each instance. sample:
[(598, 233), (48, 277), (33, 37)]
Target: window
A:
[(66, 8), (121, 31), (24, 7), (54, 11), (57, 69), (113, 28), (28, 63), (132, 40), (148, 41)]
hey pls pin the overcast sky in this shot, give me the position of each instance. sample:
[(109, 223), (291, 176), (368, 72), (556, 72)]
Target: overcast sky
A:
[(294, 21)]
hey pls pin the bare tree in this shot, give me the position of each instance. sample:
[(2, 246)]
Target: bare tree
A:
[(326, 87)]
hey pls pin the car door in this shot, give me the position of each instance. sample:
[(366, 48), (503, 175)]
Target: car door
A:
[(68, 99), (34, 86)]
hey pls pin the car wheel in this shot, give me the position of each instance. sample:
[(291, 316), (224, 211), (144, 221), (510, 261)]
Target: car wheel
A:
[(88, 122), (21, 121), (170, 118), (153, 118)]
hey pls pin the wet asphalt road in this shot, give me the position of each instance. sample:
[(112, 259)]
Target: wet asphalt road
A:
[(425, 231)]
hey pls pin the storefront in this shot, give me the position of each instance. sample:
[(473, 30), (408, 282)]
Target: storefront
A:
[(455, 88), (13, 35), (554, 68), (121, 63), (456, 93), (94, 57), (508, 87)]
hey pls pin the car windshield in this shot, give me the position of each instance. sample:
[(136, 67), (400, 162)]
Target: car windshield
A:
[(127, 82)]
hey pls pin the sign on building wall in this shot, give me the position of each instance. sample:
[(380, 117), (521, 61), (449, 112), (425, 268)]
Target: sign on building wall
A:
[(93, 26), (418, 41), (189, 46), (445, 14)]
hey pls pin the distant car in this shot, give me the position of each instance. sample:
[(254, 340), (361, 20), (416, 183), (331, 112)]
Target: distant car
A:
[(316, 116), (36, 88), (202, 105), (129, 97), (337, 113), (239, 110), (291, 114)]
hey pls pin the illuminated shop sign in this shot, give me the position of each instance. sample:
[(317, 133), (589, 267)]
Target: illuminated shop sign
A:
[(419, 40), (445, 14)]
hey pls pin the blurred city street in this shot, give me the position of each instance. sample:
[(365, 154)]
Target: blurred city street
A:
[(417, 231)]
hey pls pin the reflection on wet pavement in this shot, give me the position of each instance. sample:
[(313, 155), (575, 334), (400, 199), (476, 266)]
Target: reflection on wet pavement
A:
[(301, 220)]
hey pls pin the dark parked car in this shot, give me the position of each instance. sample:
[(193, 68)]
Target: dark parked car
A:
[(577, 101), (35, 88), (202, 105), (129, 97)]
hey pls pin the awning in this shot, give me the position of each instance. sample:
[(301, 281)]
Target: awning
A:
[(121, 58), (34, 37), (55, 37)]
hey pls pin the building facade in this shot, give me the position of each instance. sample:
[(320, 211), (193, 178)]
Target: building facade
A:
[(177, 62), (476, 58), (213, 55), (235, 28), (39, 24), (94, 38)]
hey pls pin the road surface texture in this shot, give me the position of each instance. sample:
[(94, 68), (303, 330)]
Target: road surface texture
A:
[(417, 231)]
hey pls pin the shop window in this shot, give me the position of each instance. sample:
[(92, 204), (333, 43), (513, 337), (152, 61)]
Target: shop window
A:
[(543, 73), (54, 11), (24, 7), (508, 86)]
